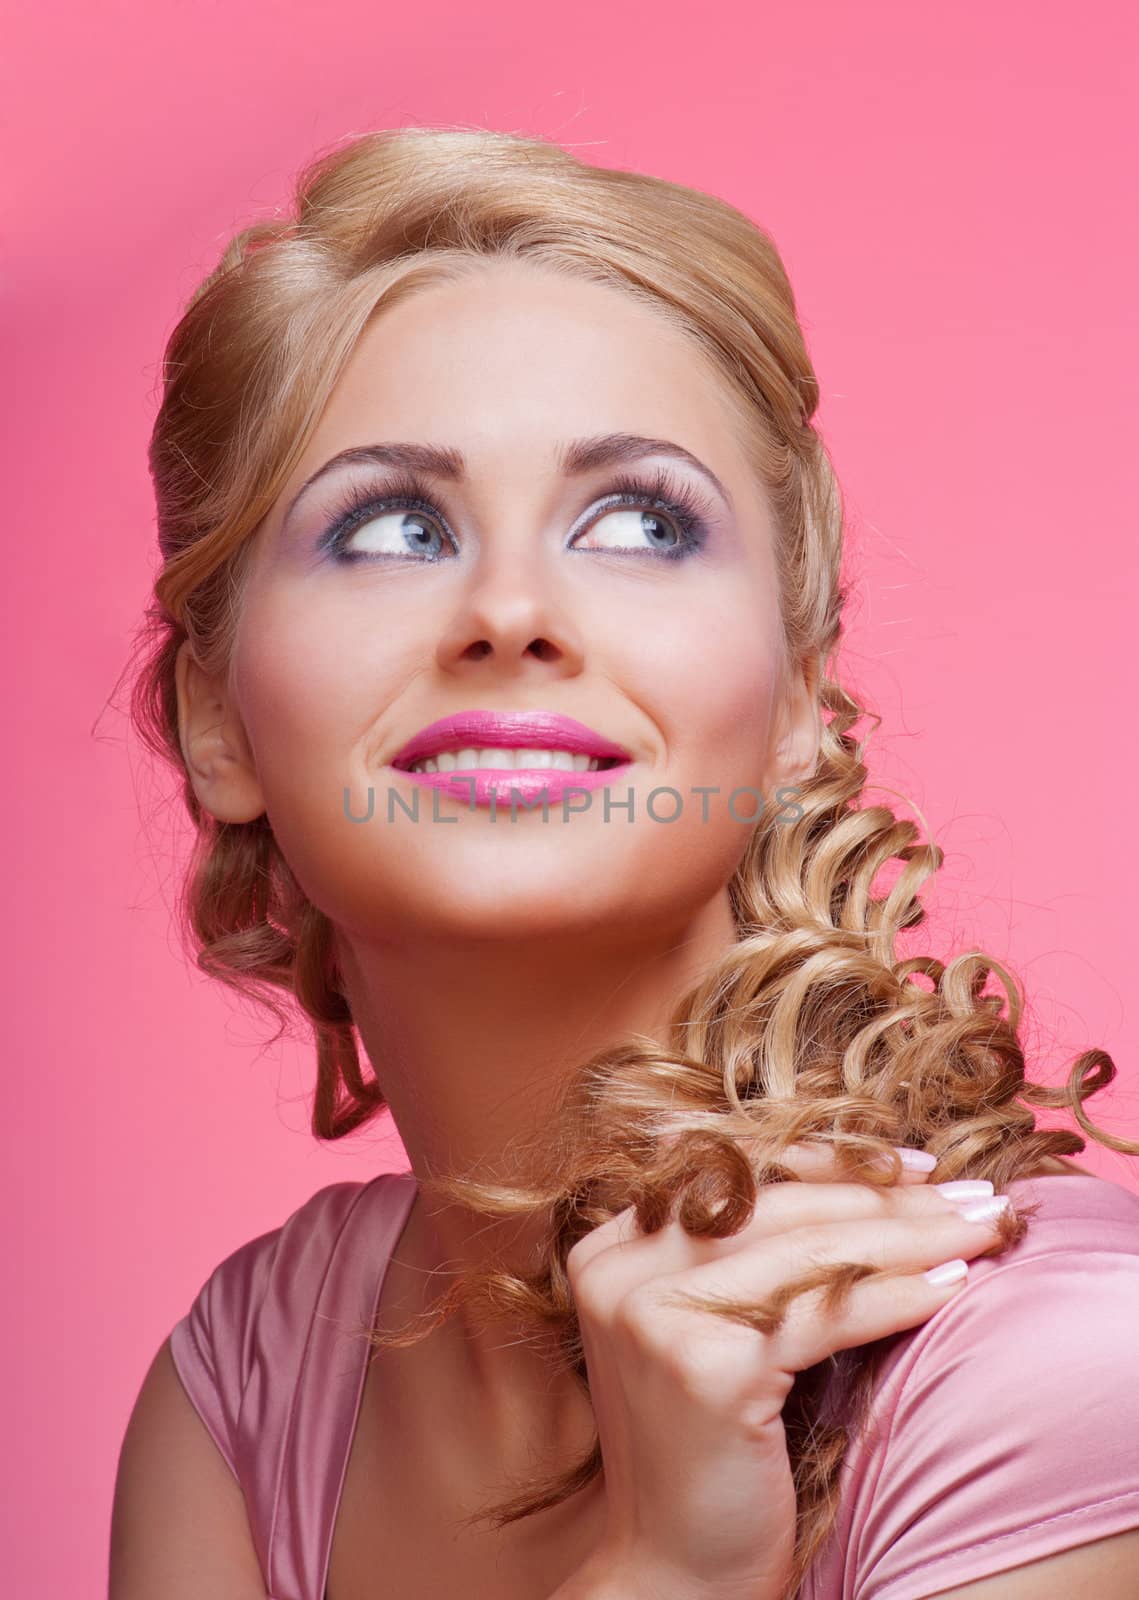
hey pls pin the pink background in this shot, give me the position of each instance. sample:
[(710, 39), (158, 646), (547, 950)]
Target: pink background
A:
[(953, 193)]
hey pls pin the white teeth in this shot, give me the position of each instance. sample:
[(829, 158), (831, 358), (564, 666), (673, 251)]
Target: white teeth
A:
[(471, 760)]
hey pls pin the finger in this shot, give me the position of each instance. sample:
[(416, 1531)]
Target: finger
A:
[(874, 1309), (779, 1208), (816, 1162), (915, 1165), (751, 1373), (812, 1162), (815, 1159), (900, 1244)]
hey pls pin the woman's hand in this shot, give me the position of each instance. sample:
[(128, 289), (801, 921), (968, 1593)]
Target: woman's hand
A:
[(699, 1493)]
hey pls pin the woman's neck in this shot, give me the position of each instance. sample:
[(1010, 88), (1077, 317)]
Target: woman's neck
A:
[(473, 1044)]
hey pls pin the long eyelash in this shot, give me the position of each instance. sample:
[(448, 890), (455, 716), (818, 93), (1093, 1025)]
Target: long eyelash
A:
[(404, 492), (660, 490), (663, 491)]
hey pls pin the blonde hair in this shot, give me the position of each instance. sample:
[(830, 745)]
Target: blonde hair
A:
[(811, 1026)]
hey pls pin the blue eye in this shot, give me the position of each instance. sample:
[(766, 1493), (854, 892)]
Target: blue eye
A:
[(685, 519), (415, 530), (666, 534), (669, 515), (409, 533)]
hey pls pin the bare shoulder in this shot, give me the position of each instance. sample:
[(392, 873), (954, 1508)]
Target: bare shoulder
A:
[(179, 1527)]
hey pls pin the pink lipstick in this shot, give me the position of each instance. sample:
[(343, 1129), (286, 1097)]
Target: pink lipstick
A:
[(517, 731)]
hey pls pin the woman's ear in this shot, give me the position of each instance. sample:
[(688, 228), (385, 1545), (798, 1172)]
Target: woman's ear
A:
[(797, 729), (214, 745)]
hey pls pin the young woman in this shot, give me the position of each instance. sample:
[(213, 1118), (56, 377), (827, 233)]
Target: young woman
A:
[(495, 642)]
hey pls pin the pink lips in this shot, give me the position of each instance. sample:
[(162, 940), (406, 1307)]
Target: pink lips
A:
[(508, 730), (519, 730)]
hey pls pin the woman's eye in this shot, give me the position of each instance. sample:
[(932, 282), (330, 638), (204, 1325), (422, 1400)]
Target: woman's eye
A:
[(401, 524), (633, 529), (392, 533)]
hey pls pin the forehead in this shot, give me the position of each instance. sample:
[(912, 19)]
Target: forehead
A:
[(516, 353)]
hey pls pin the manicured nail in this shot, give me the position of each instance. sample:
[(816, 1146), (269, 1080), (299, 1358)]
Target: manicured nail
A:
[(987, 1210), (948, 1272), (915, 1160), (965, 1189)]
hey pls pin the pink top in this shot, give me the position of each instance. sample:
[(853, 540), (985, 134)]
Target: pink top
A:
[(1003, 1430)]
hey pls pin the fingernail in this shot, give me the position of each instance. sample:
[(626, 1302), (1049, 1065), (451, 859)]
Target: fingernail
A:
[(987, 1210), (948, 1272), (965, 1189), (915, 1160)]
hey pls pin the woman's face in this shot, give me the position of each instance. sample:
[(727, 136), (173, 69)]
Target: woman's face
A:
[(514, 584)]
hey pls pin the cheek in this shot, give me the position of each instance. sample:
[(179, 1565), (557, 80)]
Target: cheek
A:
[(310, 690), (708, 687), (294, 689), (312, 678), (709, 679)]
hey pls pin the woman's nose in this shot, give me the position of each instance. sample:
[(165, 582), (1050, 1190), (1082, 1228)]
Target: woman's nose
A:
[(512, 614)]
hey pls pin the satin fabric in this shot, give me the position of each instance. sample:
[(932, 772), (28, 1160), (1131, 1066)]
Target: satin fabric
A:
[(272, 1358), (1003, 1430)]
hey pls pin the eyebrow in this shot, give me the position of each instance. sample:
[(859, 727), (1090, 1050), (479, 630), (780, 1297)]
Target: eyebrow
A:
[(574, 459)]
